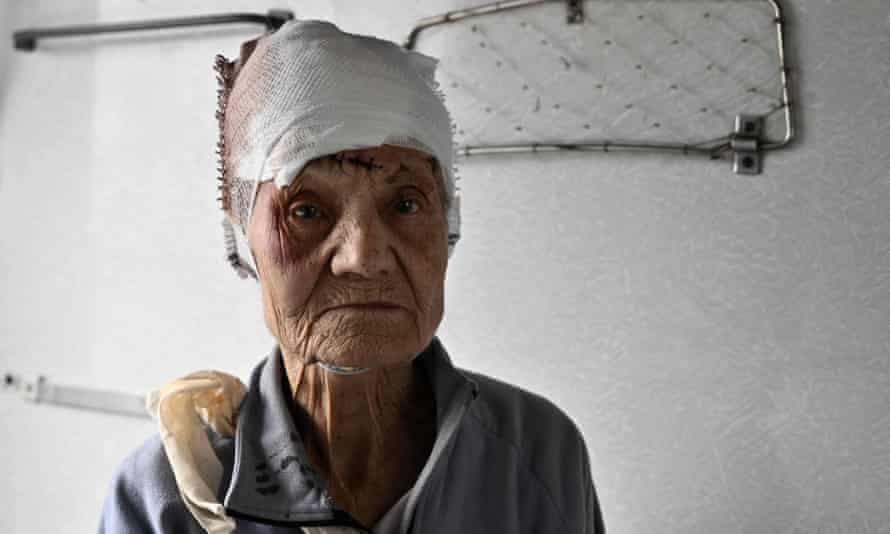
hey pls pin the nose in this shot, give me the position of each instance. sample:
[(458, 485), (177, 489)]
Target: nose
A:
[(364, 246)]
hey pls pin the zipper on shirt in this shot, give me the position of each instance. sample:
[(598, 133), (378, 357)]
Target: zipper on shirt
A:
[(339, 519)]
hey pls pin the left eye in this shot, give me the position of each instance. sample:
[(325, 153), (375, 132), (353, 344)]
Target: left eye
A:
[(407, 206)]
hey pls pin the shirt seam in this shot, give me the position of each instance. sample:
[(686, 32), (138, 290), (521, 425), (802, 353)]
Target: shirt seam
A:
[(525, 466)]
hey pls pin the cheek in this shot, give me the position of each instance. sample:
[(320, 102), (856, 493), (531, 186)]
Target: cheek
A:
[(426, 259), (289, 287), (288, 309), (434, 244), (269, 240)]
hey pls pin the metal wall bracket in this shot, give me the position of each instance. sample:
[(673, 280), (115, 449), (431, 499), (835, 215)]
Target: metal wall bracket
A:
[(747, 157), (576, 12), (28, 388), (40, 391)]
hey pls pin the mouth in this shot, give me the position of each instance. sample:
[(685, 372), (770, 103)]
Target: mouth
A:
[(369, 306)]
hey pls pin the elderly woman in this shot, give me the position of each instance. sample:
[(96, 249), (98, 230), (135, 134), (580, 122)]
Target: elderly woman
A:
[(336, 169)]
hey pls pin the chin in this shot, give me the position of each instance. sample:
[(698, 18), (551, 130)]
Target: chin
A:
[(371, 349)]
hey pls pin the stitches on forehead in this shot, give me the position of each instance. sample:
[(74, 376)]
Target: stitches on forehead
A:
[(358, 161), (391, 160)]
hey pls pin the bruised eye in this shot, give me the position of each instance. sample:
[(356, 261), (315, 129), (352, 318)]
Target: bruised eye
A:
[(305, 211)]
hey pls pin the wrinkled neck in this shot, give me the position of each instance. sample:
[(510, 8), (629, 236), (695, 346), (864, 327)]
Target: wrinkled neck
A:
[(366, 404), (366, 432)]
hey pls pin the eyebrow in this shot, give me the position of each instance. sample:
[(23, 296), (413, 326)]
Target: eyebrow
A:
[(399, 175)]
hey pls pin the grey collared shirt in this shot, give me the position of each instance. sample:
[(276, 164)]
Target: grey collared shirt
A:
[(504, 460)]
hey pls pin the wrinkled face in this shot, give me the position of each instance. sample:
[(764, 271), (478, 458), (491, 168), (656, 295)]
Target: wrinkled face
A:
[(352, 257)]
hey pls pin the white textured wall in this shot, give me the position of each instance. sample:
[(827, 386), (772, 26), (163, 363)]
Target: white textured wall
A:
[(722, 341)]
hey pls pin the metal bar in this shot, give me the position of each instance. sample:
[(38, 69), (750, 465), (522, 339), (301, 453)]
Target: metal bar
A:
[(27, 39), (790, 130), (460, 14), (713, 148)]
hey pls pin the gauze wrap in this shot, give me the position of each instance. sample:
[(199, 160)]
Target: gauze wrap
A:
[(310, 90)]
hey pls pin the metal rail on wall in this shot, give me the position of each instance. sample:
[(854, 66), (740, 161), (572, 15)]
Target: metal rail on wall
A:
[(27, 39), (506, 65)]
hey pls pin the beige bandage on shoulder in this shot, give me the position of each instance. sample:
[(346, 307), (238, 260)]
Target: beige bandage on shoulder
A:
[(183, 409), (310, 90)]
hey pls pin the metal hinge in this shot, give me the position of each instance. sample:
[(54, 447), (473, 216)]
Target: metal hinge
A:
[(747, 157)]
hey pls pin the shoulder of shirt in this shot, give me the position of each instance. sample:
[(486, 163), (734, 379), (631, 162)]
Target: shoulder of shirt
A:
[(148, 467), (523, 419), (144, 496), (146, 472), (547, 444)]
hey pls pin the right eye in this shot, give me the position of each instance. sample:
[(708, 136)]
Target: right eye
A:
[(305, 211)]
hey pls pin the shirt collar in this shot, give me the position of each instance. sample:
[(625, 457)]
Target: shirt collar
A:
[(271, 477)]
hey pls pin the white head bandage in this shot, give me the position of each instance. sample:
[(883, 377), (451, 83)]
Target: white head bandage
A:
[(310, 90)]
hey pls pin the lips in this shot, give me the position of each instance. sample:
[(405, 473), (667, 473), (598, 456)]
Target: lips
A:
[(378, 306)]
